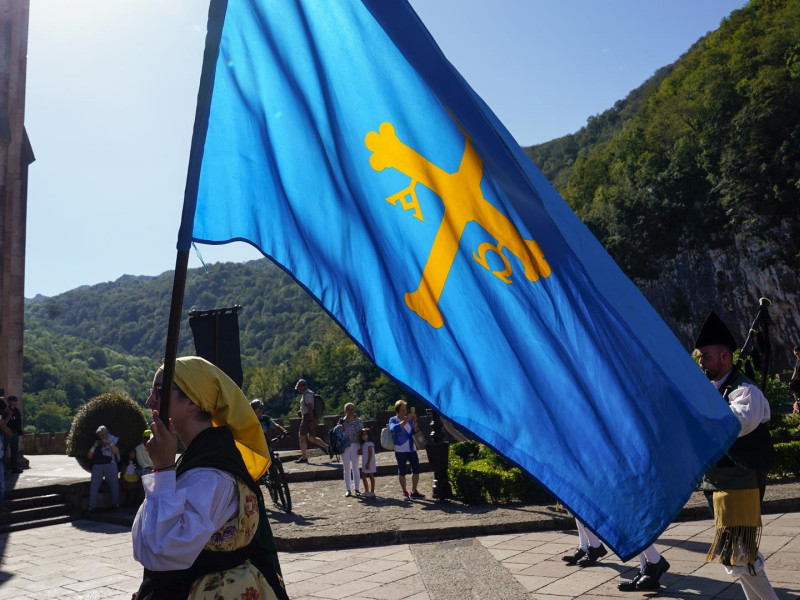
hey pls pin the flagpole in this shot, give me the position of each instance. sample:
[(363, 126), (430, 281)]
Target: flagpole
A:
[(173, 329)]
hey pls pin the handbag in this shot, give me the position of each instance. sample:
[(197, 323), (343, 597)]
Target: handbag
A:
[(387, 440)]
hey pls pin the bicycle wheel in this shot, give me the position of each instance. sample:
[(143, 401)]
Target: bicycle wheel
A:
[(268, 481), (282, 487)]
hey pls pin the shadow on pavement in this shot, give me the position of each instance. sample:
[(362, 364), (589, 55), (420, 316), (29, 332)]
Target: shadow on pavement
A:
[(691, 545)]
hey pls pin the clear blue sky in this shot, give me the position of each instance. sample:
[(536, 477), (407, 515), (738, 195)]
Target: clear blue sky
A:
[(111, 92)]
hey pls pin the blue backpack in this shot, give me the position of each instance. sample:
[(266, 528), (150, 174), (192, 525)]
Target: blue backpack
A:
[(333, 441)]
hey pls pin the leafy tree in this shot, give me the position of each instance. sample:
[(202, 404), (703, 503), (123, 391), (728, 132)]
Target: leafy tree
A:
[(706, 151)]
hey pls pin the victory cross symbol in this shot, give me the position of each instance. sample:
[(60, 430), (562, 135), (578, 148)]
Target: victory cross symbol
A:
[(463, 203)]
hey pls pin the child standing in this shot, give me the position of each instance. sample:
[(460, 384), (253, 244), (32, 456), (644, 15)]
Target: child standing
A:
[(367, 463), (131, 481)]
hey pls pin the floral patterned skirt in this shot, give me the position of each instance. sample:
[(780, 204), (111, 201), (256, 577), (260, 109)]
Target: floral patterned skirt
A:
[(244, 582)]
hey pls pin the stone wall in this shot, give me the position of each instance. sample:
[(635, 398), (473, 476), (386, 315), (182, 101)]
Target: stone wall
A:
[(44, 443), (56, 443), (730, 281), (15, 156)]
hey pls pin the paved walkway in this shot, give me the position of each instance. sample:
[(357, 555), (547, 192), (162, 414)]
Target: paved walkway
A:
[(336, 547), (322, 518), (90, 560)]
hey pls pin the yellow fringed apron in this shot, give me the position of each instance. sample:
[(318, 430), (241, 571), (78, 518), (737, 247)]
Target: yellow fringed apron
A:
[(737, 518)]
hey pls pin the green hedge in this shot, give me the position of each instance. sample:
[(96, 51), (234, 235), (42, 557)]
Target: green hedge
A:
[(787, 460), (478, 475)]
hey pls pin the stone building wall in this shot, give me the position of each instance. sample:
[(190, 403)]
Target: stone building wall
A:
[(15, 156)]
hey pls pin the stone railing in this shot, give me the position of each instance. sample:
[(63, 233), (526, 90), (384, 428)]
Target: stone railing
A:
[(56, 443), (44, 443)]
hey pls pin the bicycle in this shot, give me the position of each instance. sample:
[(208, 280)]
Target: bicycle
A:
[(275, 479)]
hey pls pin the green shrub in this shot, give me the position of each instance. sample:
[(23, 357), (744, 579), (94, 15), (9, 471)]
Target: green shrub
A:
[(787, 460), (525, 489), (781, 435), (121, 415), (466, 451), (466, 486), (791, 420), (778, 395), (477, 474)]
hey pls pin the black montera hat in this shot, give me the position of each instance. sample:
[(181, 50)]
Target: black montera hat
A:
[(715, 332)]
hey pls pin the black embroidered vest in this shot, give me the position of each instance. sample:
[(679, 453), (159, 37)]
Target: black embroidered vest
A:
[(215, 448)]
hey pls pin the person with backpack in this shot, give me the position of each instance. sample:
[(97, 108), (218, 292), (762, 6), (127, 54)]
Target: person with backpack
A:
[(308, 421), (403, 426)]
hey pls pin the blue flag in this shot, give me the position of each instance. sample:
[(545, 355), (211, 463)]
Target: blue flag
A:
[(337, 139)]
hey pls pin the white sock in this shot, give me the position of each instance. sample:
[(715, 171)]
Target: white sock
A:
[(583, 538), (642, 563), (592, 539), (651, 555), (759, 585), (749, 592)]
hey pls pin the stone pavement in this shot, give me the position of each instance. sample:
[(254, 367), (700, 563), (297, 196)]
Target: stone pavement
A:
[(323, 519), (336, 547), (91, 560)]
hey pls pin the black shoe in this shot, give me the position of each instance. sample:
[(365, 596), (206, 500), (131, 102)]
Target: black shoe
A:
[(652, 573), (571, 559), (302, 460), (16, 470), (629, 585), (592, 555)]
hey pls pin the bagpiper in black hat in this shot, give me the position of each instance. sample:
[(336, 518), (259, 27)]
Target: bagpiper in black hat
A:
[(715, 333)]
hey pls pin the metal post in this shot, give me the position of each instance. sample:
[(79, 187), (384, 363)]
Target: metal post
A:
[(173, 331), (438, 450)]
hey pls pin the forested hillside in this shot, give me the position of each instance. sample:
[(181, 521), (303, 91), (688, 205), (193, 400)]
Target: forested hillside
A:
[(691, 183), (556, 158), (128, 315), (111, 337)]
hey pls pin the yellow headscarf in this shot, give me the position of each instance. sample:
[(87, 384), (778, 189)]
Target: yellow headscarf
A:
[(216, 393)]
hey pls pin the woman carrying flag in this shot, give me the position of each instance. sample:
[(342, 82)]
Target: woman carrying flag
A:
[(202, 531)]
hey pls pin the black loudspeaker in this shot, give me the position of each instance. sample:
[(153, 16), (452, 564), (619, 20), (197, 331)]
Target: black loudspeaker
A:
[(216, 338)]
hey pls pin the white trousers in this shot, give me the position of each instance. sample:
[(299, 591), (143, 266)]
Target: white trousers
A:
[(350, 466)]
